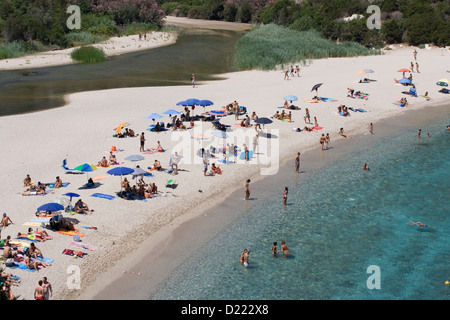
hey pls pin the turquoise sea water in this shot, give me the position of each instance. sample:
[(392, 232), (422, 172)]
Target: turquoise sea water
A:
[(339, 221)]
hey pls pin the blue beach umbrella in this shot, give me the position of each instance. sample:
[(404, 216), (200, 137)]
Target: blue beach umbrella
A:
[(120, 171), (135, 157), (316, 86), (205, 103), (291, 98), (404, 81), (154, 116), (188, 102), (51, 206), (263, 121), (171, 112), (71, 195)]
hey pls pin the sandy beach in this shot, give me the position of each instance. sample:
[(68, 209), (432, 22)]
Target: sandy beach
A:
[(82, 132)]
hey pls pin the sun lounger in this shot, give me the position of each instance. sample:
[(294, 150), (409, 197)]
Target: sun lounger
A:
[(66, 168)]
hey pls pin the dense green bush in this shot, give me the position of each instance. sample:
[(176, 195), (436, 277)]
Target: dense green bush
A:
[(88, 54), (270, 46)]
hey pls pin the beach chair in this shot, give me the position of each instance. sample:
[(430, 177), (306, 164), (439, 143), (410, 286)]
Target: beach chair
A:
[(170, 183), (66, 168)]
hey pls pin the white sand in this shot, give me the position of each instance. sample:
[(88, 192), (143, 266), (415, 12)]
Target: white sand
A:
[(36, 144), (112, 46)]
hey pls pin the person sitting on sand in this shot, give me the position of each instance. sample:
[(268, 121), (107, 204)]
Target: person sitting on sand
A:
[(157, 165), (81, 207), (27, 181), (58, 183), (159, 147), (341, 132), (103, 162), (247, 121), (34, 251), (282, 114), (112, 159), (350, 92), (215, 170), (6, 220), (277, 115), (286, 104), (8, 252)]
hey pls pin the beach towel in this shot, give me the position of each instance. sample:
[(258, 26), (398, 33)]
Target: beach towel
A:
[(169, 182), (71, 233), (225, 162), (22, 266), (312, 101), (327, 99), (242, 155), (72, 253), (99, 178), (32, 224), (50, 185), (35, 194), (46, 259), (43, 220), (23, 239), (82, 246), (317, 128), (92, 228), (103, 196)]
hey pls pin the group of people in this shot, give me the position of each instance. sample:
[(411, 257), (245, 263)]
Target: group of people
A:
[(283, 115), (127, 133), (244, 259), (291, 72), (141, 190)]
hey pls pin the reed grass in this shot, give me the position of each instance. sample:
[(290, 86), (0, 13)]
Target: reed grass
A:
[(15, 49), (88, 54), (270, 46)]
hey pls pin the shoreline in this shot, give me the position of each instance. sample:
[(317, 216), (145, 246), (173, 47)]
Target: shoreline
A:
[(123, 225), (119, 45), (156, 264)]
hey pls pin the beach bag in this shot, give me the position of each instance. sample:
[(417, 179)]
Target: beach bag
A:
[(113, 148), (76, 238)]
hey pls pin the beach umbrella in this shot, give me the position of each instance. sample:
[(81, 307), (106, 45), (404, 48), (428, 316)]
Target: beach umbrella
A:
[(404, 81), (291, 98), (188, 102), (120, 126), (205, 103), (154, 116), (219, 134), (316, 86), (135, 157), (51, 206), (442, 83), (71, 195), (171, 112), (263, 121), (218, 113), (86, 167), (404, 70), (120, 171)]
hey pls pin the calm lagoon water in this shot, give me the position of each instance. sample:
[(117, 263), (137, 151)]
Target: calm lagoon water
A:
[(339, 221)]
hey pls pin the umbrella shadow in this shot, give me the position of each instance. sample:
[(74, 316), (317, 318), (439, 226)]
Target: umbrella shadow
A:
[(268, 135), (90, 186)]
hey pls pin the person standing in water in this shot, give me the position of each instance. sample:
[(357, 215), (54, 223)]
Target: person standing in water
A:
[(297, 162), (274, 249), (247, 189), (371, 128), (420, 132), (285, 194), (284, 248)]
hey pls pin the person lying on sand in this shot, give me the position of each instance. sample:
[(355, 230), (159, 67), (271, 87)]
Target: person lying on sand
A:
[(38, 189), (33, 235)]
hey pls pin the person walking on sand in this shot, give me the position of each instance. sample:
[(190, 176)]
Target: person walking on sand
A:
[(285, 194), (39, 291), (415, 54), (286, 75), (142, 140), (297, 162), (327, 139), (47, 287), (307, 115), (412, 67), (298, 71), (205, 166), (417, 67), (193, 80), (247, 189), (255, 142)]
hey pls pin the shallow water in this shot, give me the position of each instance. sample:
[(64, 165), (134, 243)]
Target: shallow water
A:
[(196, 51), (339, 221)]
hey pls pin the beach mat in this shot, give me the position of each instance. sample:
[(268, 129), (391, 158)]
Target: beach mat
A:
[(103, 196), (71, 233), (225, 162), (82, 246)]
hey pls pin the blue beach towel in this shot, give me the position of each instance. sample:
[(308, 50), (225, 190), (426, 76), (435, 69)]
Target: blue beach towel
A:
[(225, 162), (242, 156), (103, 196)]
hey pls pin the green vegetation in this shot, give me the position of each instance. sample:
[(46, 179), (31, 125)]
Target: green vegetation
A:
[(88, 54), (16, 49), (270, 46)]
